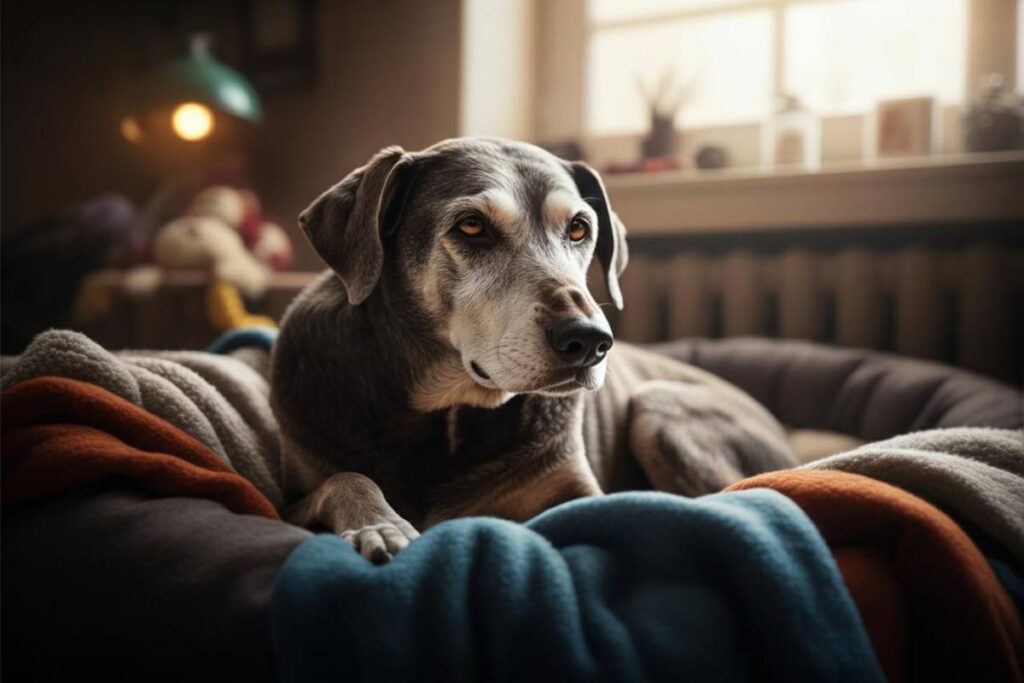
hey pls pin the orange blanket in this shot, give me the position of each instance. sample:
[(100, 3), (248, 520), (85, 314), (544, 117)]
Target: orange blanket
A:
[(60, 434), (932, 605)]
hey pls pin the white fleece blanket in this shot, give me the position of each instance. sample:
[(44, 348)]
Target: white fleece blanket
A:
[(219, 400), (974, 473)]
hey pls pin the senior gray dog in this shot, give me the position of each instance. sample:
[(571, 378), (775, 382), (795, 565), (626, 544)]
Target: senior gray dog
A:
[(449, 362)]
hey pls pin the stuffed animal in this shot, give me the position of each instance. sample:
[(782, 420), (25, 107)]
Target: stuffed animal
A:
[(240, 209), (209, 243), (223, 231), (273, 246)]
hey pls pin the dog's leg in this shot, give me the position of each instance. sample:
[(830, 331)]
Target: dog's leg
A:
[(349, 504), (692, 438), (353, 506)]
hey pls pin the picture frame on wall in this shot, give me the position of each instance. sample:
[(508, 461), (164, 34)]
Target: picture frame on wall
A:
[(280, 43), (905, 127)]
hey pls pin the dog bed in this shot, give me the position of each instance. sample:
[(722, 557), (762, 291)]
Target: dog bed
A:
[(139, 574)]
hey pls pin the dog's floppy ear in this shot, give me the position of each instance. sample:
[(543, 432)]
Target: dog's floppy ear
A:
[(611, 233), (345, 223)]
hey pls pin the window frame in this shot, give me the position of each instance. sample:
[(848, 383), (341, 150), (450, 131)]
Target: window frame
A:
[(777, 9), (559, 45)]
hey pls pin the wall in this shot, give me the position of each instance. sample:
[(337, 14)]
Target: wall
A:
[(560, 41), (992, 42), (498, 71), (388, 74), (65, 69)]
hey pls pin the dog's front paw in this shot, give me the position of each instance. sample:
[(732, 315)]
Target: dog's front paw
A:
[(379, 542), (353, 506)]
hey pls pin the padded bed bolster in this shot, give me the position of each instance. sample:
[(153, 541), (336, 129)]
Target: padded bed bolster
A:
[(866, 394), (128, 587)]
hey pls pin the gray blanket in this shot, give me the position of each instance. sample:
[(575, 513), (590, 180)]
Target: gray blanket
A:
[(974, 473), (219, 400)]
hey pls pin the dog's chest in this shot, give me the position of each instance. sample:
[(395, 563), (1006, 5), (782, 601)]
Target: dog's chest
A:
[(525, 423), (470, 451)]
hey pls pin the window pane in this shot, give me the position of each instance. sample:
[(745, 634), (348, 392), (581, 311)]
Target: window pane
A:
[(850, 53), (617, 10), (728, 58)]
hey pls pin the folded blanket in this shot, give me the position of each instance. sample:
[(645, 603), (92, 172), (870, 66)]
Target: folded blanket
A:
[(235, 385), (61, 434), (627, 587), (972, 473), (931, 603), (220, 401)]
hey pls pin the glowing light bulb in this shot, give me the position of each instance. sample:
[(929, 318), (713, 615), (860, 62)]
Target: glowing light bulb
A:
[(192, 121)]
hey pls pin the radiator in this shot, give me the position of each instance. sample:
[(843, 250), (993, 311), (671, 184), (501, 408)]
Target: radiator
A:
[(959, 305)]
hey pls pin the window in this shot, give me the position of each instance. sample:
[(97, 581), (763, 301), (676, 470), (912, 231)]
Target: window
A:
[(850, 54), (733, 57)]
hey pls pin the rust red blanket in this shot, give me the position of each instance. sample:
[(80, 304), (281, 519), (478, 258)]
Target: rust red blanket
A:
[(60, 434), (932, 605)]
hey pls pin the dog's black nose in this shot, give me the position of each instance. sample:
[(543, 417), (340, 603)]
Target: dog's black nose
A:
[(580, 341)]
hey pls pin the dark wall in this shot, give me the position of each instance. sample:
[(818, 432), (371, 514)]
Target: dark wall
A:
[(387, 74), (65, 69)]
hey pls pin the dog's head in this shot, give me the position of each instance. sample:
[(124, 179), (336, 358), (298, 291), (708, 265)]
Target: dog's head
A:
[(493, 240)]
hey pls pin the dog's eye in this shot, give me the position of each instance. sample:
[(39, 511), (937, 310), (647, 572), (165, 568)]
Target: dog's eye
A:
[(578, 229), (471, 226)]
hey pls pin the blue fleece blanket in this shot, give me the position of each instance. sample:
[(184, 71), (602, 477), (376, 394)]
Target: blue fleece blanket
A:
[(628, 587)]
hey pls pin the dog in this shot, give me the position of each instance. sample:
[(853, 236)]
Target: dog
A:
[(448, 364)]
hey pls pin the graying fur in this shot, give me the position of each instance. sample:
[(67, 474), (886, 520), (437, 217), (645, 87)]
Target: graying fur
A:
[(374, 376)]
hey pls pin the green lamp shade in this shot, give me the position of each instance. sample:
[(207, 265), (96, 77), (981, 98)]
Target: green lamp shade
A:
[(201, 78)]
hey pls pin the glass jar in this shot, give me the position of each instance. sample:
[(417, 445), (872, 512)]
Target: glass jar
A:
[(792, 137)]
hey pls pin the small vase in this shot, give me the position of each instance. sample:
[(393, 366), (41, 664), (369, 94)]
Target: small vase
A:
[(663, 138)]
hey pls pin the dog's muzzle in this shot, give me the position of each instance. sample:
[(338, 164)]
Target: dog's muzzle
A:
[(580, 342)]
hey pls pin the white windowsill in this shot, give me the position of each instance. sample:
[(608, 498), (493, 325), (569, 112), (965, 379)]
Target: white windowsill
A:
[(926, 190)]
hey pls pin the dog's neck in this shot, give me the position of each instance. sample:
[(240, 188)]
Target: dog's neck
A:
[(446, 384)]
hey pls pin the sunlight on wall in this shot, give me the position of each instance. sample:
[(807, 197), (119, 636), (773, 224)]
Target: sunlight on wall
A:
[(1020, 46), (497, 69)]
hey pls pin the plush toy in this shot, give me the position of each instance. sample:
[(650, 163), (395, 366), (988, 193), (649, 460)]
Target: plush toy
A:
[(223, 231), (240, 209), (273, 246), (208, 242), (226, 310)]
